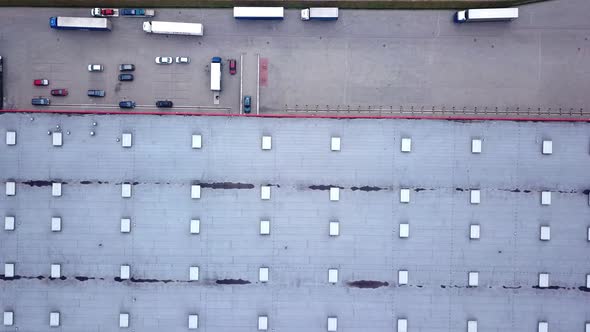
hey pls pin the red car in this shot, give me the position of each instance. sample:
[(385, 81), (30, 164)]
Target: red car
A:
[(99, 12), (41, 82), (232, 67), (59, 92)]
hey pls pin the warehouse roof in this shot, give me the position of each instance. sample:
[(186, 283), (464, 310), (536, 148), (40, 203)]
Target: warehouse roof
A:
[(202, 222)]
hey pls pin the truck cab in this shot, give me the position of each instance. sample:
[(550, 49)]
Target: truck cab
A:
[(305, 14), (460, 16)]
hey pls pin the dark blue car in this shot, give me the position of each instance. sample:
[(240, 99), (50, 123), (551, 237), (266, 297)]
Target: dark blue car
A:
[(131, 11), (96, 93), (127, 104), (40, 101), (125, 77), (247, 104), (138, 12)]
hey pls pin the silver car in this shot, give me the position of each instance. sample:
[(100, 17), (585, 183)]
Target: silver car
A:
[(95, 67), (164, 60), (183, 59)]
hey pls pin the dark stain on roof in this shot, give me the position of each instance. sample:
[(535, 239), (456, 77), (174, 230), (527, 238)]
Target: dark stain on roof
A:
[(232, 282), (368, 284)]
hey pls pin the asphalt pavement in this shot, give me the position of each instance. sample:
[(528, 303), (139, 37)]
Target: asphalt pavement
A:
[(366, 61)]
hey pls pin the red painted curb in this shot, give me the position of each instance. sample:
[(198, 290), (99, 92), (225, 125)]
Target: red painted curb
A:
[(306, 116)]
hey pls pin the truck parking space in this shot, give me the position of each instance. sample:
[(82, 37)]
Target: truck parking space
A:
[(249, 73)]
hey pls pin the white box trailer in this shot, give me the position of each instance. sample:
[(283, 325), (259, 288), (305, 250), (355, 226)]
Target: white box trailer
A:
[(216, 74), (487, 14), (320, 14), (80, 23), (259, 13), (173, 28)]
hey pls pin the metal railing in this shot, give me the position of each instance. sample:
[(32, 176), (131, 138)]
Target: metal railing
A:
[(484, 112)]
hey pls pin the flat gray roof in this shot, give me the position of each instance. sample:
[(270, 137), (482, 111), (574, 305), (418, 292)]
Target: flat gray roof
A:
[(386, 61), (370, 169)]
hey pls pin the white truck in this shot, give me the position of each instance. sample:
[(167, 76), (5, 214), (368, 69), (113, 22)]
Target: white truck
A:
[(216, 74), (259, 13), (487, 14), (173, 28), (321, 14), (80, 23)]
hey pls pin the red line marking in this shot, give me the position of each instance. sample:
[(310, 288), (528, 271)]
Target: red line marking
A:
[(303, 116), (263, 71)]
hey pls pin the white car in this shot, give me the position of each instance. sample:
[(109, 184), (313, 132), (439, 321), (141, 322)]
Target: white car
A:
[(94, 67), (183, 59), (164, 60)]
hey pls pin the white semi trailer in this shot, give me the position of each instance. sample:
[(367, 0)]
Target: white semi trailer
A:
[(216, 74), (487, 14), (259, 13), (173, 28)]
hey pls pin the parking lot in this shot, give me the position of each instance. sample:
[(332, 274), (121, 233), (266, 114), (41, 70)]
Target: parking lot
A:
[(383, 61), (219, 223)]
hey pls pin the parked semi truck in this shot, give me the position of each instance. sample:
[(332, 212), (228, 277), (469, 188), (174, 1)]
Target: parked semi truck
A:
[(259, 13), (173, 28), (487, 14), (80, 23), (216, 74), (323, 14)]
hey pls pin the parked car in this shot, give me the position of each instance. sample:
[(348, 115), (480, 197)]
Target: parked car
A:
[(129, 11), (164, 60), (164, 103), (247, 104), (100, 12), (232, 67), (96, 93), (127, 104), (59, 92), (95, 67), (127, 67), (125, 77), (41, 82), (183, 59), (40, 101), (137, 12)]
